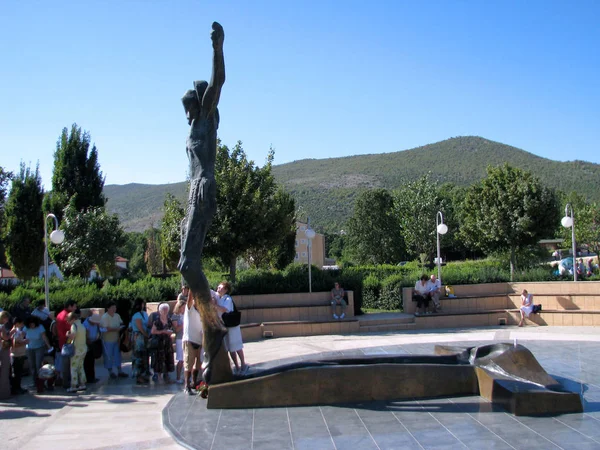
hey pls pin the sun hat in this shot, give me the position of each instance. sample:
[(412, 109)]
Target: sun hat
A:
[(94, 318)]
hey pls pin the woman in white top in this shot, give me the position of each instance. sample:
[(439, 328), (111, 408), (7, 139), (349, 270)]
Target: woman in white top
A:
[(526, 306), (233, 339)]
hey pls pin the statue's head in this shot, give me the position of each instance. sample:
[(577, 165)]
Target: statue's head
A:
[(191, 105), (200, 87), (192, 99)]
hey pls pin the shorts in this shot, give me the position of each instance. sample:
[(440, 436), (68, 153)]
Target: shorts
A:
[(191, 356), (178, 350), (233, 339)]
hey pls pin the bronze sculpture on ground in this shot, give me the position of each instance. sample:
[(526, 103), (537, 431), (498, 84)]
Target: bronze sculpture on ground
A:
[(200, 106)]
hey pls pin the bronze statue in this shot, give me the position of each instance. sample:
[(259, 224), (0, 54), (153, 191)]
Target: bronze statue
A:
[(200, 106)]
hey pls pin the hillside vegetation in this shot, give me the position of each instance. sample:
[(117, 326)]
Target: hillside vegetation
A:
[(325, 189)]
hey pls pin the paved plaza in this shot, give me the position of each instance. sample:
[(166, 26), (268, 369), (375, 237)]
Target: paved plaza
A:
[(119, 414)]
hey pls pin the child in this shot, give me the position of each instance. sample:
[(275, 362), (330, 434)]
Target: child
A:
[(19, 355), (77, 335)]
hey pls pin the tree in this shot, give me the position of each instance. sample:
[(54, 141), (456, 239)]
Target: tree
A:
[(277, 255), (134, 249), (250, 212), (373, 231), (507, 211), (76, 171), (170, 231), (25, 224), (152, 257), (587, 222), (5, 177), (415, 206), (91, 237)]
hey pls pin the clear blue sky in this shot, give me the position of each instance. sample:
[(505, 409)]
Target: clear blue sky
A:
[(313, 78)]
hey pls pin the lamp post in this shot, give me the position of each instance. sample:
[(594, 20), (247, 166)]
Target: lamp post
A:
[(569, 221), (57, 237), (440, 228), (310, 235)]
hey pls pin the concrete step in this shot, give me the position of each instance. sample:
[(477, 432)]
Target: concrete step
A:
[(387, 327), (386, 321)]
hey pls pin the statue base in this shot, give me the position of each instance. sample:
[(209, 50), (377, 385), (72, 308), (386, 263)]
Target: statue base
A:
[(506, 375)]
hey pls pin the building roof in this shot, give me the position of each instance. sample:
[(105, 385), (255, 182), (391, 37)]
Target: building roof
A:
[(121, 259), (7, 273)]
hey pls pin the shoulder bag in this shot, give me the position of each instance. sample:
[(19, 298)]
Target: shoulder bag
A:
[(232, 318)]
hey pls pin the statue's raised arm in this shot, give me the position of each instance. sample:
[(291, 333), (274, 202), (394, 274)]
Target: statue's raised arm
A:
[(210, 99)]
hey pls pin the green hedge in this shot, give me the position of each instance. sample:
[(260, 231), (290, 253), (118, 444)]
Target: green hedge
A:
[(378, 287)]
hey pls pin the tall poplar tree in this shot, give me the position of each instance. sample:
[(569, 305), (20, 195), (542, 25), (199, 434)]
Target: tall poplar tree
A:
[(25, 223), (5, 177), (374, 231), (170, 231), (76, 171)]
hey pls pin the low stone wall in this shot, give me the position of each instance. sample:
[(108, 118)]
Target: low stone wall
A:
[(551, 294)]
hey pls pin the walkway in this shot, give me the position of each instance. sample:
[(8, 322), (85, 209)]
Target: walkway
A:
[(118, 414)]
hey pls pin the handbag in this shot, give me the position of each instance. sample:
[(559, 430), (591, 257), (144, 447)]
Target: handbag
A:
[(232, 318), (68, 350), (153, 342), (125, 338)]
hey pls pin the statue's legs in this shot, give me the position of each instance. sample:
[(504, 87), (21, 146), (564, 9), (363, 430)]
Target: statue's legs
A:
[(202, 207)]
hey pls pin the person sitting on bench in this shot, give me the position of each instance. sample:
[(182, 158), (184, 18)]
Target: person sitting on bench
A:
[(421, 293), (526, 306)]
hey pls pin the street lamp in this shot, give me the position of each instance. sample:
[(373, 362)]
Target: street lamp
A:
[(441, 228), (57, 237), (569, 221), (310, 235)]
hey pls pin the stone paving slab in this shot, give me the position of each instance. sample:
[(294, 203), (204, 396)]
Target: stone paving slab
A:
[(458, 422), (116, 414)]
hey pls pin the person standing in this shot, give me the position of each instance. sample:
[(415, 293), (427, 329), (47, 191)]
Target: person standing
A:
[(23, 309), (37, 345), (110, 326), (177, 320), (163, 329), (18, 355), (94, 346), (43, 314), (63, 363), (5, 345), (192, 344), (233, 338), (183, 295), (77, 335), (139, 357)]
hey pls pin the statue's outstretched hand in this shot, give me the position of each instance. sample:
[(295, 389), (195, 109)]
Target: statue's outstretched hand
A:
[(217, 35)]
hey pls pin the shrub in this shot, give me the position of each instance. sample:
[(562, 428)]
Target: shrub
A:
[(370, 292), (391, 292)]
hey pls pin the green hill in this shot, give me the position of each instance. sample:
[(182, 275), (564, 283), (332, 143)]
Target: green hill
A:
[(326, 188)]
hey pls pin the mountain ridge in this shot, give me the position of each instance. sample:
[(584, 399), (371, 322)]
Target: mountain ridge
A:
[(326, 188)]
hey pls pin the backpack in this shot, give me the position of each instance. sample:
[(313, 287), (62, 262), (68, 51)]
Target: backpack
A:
[(53, 334), (536, 309)]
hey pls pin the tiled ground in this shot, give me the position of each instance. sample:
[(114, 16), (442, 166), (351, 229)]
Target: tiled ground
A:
[(116, 414), (463, 422)]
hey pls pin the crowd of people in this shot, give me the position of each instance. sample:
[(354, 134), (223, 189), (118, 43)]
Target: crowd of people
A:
[(162, 343)]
